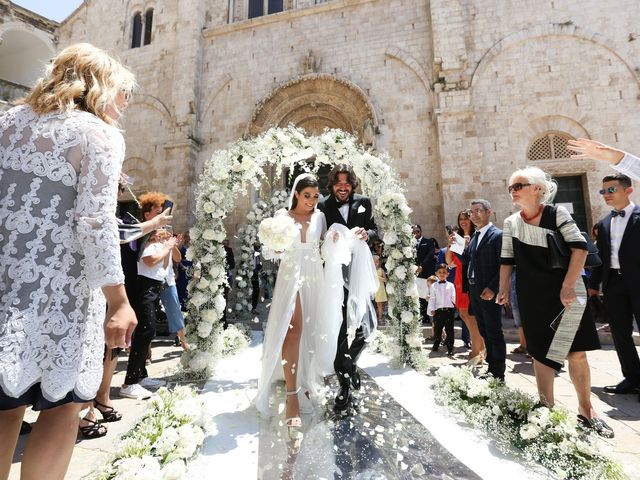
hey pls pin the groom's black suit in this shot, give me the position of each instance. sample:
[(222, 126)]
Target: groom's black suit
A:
[(360, 215)]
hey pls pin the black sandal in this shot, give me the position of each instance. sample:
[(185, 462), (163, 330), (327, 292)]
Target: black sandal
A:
[(93, 430), (597, 425), (110, 414)]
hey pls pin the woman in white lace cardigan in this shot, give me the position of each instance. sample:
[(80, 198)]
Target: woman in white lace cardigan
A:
[(61, 154)]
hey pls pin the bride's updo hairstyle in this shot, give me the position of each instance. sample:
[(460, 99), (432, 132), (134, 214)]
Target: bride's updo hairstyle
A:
[(537, 176), (304, 182), (81, 77)]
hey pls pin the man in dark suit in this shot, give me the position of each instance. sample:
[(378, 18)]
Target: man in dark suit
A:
[(619, 246), (426, 263), (482, 260), (354, 211)]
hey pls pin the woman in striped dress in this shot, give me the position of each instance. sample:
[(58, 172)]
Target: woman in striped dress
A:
[(552, 301)]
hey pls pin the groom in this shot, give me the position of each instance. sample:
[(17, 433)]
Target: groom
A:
[(354, 211)]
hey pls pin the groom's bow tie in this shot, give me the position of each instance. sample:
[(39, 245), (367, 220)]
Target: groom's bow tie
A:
[(615, 213), (442, 281), (340, 204)]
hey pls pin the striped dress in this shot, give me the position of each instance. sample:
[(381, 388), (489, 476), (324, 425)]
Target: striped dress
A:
[(546, 330)]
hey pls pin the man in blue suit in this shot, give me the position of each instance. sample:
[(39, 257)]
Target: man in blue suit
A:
[(482, 260)]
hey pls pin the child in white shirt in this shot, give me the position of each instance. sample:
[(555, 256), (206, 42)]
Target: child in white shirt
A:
[(442, 304)]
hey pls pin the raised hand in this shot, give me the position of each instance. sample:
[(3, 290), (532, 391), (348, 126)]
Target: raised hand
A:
[(591, 150)]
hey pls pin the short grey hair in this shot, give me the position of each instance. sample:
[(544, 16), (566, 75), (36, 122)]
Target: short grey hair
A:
[(479, 201), (538, 177)]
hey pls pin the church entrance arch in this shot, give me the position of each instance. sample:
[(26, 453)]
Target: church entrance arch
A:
[(314, 102)]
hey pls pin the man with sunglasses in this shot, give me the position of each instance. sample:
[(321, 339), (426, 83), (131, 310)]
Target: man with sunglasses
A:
[(481, 258), (619, 275)]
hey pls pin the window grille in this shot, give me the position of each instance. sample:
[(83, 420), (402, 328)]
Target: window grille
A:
[(549, 146)]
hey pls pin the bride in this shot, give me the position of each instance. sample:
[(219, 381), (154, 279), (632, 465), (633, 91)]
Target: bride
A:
[(294, 338)]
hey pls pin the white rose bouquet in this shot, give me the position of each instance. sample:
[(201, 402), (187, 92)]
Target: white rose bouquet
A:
[(278, 233)]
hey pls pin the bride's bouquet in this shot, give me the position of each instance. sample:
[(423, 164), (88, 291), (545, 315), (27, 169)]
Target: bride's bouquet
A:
[(278, 233)]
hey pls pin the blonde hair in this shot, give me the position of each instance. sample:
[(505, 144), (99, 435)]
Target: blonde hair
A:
[(81, 77), (537, 176)]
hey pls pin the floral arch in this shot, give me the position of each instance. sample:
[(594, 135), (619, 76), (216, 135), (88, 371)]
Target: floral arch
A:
[(227, 174)]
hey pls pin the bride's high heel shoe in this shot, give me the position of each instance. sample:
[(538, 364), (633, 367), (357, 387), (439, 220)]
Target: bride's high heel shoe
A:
[(294, 424)]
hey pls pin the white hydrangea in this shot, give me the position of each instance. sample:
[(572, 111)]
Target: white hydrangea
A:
[(201, 361), (190, 437), (137, 468), (204, 329), (174, 470)]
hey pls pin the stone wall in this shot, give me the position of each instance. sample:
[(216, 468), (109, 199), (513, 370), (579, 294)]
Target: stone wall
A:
[(459, 88)]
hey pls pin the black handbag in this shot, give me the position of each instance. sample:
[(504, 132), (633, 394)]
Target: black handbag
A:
[(560, 252)]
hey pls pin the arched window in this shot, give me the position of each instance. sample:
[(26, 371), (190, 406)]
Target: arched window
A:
[(136, 36), (549, 146), (148, 25)]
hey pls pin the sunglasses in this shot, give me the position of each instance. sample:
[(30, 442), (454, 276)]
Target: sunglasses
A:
[(608, 190), (516, 187)]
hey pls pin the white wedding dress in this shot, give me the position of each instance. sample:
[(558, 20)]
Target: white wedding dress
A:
[(300, 273)]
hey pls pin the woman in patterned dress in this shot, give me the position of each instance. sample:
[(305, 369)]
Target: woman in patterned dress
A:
[(61, 154), (549, 298)]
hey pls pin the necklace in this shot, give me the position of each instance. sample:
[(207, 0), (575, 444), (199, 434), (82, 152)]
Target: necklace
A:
[(528, 219)]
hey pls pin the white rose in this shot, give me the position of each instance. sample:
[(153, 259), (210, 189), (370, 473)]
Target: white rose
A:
[(219, 303), (408, 252), (400, 272), (406, 316), (529, 431), (391, 289), (203, 283), (390, 238), (397, 254), (209, 207), (189, 254)]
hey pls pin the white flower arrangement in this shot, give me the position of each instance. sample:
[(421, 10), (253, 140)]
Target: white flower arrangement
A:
[(163, 440), (521, 425), (278, 233), (226, 176)]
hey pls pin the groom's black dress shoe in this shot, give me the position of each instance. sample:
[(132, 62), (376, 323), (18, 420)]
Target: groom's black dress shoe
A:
[(343, 398), (625, 386), (355, 379)]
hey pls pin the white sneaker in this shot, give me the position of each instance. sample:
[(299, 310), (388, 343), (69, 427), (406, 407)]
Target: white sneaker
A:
[(135, 391), (151, 382)]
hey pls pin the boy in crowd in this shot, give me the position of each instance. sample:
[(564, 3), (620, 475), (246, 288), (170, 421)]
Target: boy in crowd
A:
[(442, 304)]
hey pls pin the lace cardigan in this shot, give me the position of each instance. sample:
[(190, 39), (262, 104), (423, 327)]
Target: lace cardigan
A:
[(59, 246)]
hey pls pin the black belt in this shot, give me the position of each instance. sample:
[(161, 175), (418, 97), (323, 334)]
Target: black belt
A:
[(615, 271)]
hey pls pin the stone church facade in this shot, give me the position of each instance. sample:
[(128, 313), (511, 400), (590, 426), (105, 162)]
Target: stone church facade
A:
[(459, 92)]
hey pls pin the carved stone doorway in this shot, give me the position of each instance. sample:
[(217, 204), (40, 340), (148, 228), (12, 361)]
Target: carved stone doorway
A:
[(315, 102)]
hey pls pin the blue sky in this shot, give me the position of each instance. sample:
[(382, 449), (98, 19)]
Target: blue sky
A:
[(56, 10)]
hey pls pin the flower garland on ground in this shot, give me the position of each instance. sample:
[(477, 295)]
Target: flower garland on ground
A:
[(227, 174), (161, 443), (248, 236), (517, 421)]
